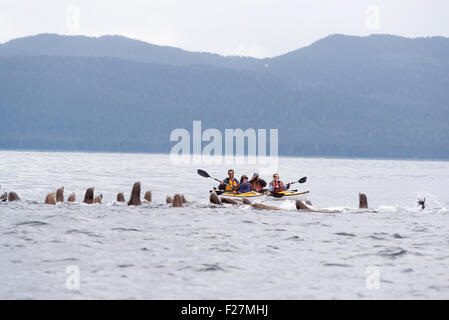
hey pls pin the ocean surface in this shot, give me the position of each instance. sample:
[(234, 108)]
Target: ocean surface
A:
[(394, 250)]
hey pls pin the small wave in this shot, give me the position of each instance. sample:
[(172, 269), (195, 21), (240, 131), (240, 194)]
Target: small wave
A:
[(88, 233), (398, 236), (392, 253), (126, 229), (210, 267), (345, 234), (336, 265), (31, 223), (296, 238)]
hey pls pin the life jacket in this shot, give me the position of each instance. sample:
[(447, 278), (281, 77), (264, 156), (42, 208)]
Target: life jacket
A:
[(256, 186), (278, 187), (244, 187), (230, 184)]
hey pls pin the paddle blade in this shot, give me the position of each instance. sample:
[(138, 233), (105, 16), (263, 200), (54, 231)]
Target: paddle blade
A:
[(302, 180), (203, 173)]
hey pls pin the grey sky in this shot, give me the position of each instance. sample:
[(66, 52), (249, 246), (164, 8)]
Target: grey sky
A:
[(247, 27)]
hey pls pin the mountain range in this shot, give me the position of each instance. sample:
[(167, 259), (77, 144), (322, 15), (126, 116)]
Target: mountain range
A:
[(343, 96)]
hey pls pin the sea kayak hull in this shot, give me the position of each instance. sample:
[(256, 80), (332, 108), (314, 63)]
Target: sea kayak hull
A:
[(251, 196), (288, 195)]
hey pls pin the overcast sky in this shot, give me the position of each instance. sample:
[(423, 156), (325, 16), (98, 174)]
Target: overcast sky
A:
[(257, 28)]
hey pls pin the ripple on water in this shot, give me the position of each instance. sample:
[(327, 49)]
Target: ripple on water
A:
[(31, 223), (88, 233), (336, 265), (211, 267), (392, 252), (126, 229), (398, 236), (345, 234)]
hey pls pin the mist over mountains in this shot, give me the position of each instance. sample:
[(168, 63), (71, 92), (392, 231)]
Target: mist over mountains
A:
[(376, 96)]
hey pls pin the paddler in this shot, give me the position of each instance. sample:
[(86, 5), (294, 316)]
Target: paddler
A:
[(244, 185), (277, 185), (230, 183), (257, 184)]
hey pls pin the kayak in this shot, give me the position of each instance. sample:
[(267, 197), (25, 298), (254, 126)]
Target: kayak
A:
[(287, 195), (252, 195), (263, 196)]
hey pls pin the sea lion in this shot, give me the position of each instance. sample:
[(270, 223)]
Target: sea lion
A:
[(168, 199), (98, 199), (4, 197), (134, 200), (72, 197), (148, 196), (302, 206), (89, 196), (12, 196), (363, 201), (213, 198), (309, 203), (229, 201), (50, 198), (120, 197), (60, 194), (184, 200), (264, 206), (177, 201)]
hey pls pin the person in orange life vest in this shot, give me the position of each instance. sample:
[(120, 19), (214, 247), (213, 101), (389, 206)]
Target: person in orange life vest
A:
[(257, 183), (230, 183), (277, 185)]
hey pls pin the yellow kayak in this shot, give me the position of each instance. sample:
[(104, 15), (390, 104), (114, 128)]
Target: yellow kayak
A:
[(252, 195), (287, 195)]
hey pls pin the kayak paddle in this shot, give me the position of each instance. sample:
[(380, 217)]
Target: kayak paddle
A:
[(206, 175), (302, 180)]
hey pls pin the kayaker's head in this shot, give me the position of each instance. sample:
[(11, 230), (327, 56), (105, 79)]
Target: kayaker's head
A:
[(231, 174), (243, 179), (276, 177), (256, 175)]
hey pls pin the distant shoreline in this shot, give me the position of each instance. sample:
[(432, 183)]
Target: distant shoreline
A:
[(280, 155)]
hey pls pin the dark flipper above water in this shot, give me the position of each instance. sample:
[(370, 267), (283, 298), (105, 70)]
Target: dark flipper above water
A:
[(363, 201), (60, 194), (50, 198), (89, 196), (302, 206), (72, 197), (168, 199), (134, 200), (148, 196), (177, 201), (120, 197), (214, 198), (12, 196)]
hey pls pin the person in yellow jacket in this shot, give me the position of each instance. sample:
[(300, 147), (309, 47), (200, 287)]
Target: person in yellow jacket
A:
[(230, 183)]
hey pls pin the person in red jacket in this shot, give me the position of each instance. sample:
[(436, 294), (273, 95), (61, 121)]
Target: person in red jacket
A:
[(277, 185), (257, 183)]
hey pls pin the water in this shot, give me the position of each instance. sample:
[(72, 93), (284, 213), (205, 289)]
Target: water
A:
[(199, 252)]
